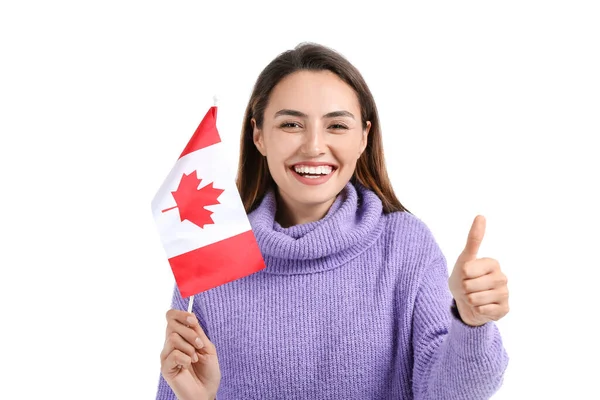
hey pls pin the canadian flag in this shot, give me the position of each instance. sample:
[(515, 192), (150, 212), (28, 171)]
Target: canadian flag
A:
[(200, 217)]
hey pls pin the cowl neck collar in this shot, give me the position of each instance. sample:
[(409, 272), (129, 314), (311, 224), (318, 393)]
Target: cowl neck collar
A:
[(351, 224)]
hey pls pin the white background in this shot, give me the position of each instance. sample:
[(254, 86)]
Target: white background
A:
[(486, 107)]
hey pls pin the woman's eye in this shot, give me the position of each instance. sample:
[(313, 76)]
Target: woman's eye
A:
[(338, 126), (290, 125)]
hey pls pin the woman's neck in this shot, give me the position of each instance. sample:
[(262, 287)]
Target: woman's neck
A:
[(290, 213)]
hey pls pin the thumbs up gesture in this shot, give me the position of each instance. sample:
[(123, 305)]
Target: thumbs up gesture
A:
[(477, 284)]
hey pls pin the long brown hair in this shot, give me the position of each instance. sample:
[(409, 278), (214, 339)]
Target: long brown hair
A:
[(253, 177)]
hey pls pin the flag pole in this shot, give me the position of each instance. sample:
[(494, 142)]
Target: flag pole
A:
[(191, 301)]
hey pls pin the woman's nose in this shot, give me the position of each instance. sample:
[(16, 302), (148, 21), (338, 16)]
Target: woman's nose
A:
[(314, 142)]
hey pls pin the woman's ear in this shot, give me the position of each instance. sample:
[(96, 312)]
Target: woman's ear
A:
[(257, 137), (364, 139)]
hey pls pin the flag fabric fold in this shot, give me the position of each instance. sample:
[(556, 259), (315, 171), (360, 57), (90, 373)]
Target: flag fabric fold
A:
[(201, 219)]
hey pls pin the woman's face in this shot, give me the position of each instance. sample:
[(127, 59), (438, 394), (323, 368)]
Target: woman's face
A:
[(312, 137)]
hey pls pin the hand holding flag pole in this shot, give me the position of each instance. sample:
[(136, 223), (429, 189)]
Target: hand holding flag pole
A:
[(205, 247)]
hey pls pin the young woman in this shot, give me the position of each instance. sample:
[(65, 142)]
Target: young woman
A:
[(355, 302)]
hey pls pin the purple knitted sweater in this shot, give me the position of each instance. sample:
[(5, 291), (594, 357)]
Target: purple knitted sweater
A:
[(353, 306)]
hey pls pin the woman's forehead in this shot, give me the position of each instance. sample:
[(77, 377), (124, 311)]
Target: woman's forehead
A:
[(314, 93)]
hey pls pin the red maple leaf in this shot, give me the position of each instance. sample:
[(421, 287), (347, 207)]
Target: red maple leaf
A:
[(191, 200)]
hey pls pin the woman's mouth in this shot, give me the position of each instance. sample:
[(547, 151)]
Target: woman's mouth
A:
[(313, 174)]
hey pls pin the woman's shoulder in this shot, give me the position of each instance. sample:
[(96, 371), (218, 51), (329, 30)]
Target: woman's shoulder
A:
[(406, 223), (406, 232)]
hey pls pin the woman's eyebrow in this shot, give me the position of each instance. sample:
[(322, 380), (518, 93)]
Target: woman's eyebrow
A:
[(293, 113), (296, 113), (335, 114)]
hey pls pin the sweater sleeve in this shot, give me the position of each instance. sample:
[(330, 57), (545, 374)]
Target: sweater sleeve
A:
[(452, 360), (164, 391)]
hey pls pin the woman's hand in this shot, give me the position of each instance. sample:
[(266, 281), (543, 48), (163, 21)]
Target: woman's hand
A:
[(478, 285), (189, 362)]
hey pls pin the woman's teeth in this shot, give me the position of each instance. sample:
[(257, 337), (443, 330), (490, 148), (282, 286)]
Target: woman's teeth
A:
[(308, 171)]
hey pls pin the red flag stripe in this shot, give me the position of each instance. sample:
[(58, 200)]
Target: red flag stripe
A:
[(205, 135), (216, 264)]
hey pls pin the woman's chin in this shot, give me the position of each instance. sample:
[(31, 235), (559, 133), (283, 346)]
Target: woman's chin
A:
[(315, 195)]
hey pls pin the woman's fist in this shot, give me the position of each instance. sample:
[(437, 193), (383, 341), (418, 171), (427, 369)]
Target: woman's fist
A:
[(189, 362), (478, 284)]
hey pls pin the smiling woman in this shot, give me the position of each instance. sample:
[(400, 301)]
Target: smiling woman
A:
[(355, 301), (312, 149), (324, 103)]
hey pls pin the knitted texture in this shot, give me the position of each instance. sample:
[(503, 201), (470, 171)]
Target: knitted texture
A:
[(353, 306)]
